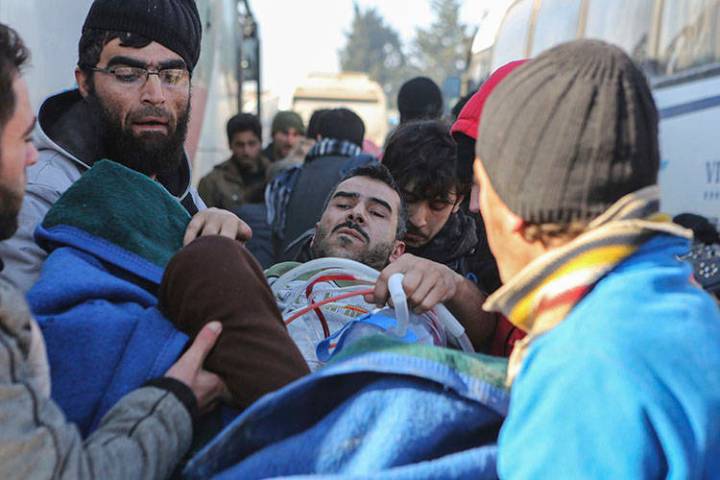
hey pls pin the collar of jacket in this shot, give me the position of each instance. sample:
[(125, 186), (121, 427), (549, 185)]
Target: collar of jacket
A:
[(544, 293), (332, 147), (120, 216), (457, 239), (68, 126), (236, 169)]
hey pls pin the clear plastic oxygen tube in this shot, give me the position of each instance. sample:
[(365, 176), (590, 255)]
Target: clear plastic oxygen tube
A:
[(351, 266), (448, 320), (454, 328), (399, 299), (365, 273)]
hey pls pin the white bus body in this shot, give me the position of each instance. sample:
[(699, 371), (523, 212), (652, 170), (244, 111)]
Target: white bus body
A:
[(678, 44)]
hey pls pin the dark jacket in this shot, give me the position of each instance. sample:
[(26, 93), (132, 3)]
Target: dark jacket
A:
[(230, 185), (69, 143), (462, 245), (269, 152), (324, 166)]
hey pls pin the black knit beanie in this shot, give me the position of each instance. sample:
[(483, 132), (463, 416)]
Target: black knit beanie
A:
[(175, 24), (419, 99), (569, 133)]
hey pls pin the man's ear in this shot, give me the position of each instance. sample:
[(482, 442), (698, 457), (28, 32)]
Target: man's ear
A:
[(82, 80), (397, 251)]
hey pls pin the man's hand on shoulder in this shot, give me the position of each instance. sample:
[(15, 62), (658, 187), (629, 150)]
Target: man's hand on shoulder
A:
[(215, 221), (426, 283)]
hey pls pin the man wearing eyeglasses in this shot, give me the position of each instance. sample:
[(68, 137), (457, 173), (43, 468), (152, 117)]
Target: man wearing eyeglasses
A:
[(132, 106)]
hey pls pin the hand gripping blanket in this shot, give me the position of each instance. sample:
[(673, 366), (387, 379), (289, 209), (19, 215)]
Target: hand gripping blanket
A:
[(109, 238)]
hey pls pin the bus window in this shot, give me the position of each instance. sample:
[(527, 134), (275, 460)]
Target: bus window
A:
[(511, 42), (557, 22), (689, 35), (625, 24)]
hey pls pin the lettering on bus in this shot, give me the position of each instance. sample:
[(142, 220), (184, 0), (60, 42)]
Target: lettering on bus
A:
[(712, 170)]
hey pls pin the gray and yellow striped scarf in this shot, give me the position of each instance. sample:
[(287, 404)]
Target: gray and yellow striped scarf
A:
[(543, 293)]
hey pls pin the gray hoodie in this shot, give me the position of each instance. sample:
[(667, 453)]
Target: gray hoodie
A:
[(144, 435), (68, 142)]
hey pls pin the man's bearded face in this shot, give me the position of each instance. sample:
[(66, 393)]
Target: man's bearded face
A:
[(148, 151)]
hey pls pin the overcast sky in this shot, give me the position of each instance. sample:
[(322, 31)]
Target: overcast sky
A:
[(303, 37)]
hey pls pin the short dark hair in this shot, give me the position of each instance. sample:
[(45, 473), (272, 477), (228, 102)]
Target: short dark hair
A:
[(419, 98), (341, 124), (13, 56), (312, 129), (243, 122), (93, 41), (377, 171), (423, 154)]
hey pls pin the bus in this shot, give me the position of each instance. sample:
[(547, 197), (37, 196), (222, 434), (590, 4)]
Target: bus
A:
[(676, 42), (355, 91), (51, 29)]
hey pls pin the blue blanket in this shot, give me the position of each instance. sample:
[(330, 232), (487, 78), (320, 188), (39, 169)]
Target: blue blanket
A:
[(394, 412), (104, 335), (109, 238)]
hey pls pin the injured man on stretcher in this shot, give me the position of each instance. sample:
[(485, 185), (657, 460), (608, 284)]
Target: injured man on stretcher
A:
[(317, 306), (271, 335)]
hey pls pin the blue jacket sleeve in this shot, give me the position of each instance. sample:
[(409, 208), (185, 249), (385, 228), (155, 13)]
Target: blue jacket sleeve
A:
[(578, 416)]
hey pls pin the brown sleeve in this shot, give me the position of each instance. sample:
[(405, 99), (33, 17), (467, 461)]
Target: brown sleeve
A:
[(216, 278)]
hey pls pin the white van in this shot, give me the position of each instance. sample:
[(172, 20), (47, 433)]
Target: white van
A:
[(354, 91)]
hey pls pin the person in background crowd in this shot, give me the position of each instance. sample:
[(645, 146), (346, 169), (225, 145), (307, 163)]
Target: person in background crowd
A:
[(240, 179), (616, 376), (338, 150), (287, 129), (301, 149), (132, 106), (419, 99), (421, 156), (146, 434), (459, 105)]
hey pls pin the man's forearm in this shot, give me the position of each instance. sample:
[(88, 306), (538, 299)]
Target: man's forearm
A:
[(466, 305), (143, 436)]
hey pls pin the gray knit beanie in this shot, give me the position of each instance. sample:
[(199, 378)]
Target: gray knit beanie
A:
[(287, 119), (569, 133)]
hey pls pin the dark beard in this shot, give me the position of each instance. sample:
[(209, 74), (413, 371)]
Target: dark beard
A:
[(10, 202), (151, 153), (376, 257)]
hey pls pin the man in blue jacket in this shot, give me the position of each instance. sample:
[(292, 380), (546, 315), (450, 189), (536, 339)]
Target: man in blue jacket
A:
[(617, 377)]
